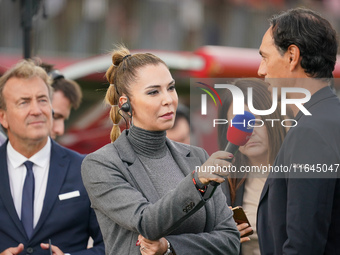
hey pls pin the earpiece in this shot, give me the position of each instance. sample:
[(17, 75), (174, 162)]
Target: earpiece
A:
[(56, 74), (126, 107)]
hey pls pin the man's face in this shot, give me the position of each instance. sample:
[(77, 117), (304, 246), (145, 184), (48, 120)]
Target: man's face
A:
[(28, 114), (62, 108), (273, 65)]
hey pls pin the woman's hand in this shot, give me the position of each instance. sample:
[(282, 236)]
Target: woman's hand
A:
[(215, 167), (244, 229), (148, 247)]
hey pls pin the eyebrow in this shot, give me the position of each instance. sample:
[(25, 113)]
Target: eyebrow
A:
[(59, 116), (29, 97), (157, 86), (41, 96), (26, 98)]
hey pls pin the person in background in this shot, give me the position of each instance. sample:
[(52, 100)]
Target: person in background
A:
[(245, 189), (42, 196), (180, 132), (299, 210), (67, 94), (142, 186)]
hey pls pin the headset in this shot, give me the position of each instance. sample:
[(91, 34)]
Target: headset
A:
[(126, 107), (56, 74)]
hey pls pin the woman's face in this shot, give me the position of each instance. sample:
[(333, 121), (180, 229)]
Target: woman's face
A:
[(256, 149), (153, 98)]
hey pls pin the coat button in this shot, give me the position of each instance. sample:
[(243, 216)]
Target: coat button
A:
[(29, 250)]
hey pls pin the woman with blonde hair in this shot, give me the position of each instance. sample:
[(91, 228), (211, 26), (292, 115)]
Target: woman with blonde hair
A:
[(147, 198)]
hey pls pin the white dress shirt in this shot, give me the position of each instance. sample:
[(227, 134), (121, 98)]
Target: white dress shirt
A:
[(17, 174)]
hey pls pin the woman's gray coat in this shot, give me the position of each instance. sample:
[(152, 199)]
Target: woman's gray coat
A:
[(127, 204)]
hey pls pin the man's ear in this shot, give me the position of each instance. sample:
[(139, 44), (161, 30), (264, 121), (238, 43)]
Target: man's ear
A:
[(294, 57), (3, 118)]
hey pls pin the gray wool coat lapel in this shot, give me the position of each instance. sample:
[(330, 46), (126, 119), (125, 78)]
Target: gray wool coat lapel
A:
[(137, 171)]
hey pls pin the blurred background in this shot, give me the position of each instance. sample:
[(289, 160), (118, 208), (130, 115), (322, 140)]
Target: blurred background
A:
[(83, 28), (196, 38)]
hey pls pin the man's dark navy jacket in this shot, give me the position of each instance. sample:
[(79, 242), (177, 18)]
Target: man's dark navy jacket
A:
[(68, 223), (302, 216)]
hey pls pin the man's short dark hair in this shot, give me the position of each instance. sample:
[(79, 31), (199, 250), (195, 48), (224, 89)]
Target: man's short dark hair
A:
[(69, 88), (312, 34)]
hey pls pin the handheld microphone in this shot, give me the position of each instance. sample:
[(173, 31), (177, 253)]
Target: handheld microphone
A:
[(239, 132)]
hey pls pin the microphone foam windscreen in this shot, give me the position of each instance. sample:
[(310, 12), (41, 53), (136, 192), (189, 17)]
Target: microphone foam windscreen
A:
[(239, 131)]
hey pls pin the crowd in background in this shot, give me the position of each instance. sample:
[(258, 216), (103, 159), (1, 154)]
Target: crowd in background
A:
[(90, 27)]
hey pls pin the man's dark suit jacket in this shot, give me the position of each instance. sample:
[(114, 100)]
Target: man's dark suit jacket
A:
[(68, 223), (302, 216)]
